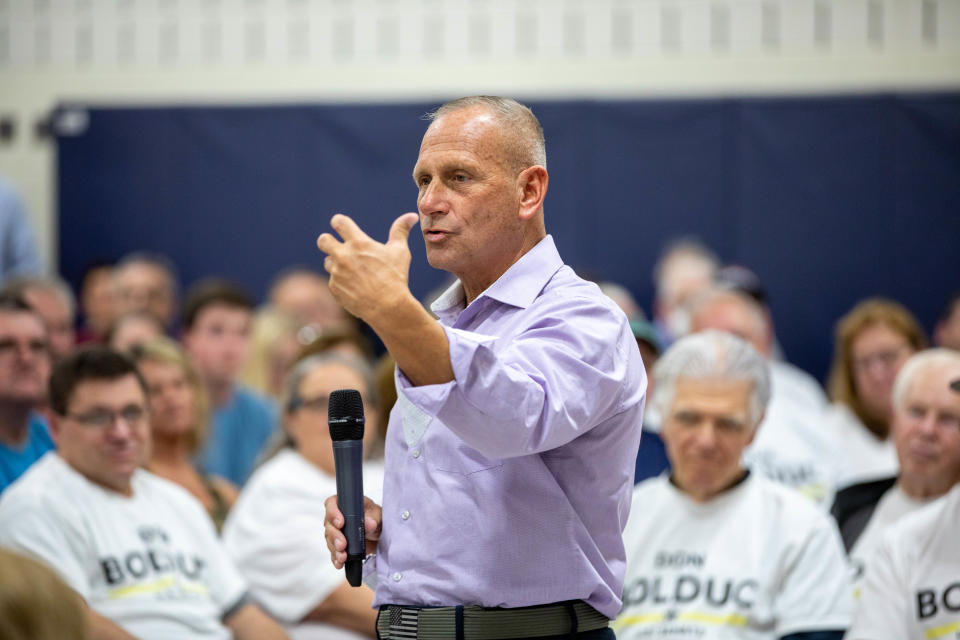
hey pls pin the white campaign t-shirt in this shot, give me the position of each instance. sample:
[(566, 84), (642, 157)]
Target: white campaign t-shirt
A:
[(150, 562), (893, 505), (757, 562), (275, 535), (792, 449), (911, 587), (860, 456)]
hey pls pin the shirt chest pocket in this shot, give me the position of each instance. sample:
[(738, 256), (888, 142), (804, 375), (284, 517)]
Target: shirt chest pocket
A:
[(446, 452)]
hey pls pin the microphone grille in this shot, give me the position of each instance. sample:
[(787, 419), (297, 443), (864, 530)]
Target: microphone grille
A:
[(345, 415)]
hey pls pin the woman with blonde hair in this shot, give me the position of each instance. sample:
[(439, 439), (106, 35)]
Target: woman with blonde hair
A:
[(872, 342), (179, 417)]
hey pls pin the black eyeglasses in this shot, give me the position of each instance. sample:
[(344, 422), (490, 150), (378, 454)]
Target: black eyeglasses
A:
[(133, 415)]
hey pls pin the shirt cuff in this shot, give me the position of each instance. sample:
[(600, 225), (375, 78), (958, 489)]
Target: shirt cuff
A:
[(430, 398)]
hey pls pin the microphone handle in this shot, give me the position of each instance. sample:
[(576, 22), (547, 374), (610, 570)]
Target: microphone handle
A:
[(348, 460)]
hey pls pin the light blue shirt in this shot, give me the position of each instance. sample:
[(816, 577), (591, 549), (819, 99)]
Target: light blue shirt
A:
[(15, 460), (238, 431), (18, 248), (510, 486)]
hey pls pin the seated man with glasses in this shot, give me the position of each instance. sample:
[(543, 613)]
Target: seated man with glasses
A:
[(140, 550)]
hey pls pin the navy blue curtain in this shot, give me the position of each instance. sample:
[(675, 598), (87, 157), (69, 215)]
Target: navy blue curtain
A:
[(828, 199)]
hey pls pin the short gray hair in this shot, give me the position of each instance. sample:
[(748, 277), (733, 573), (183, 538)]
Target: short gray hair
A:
[(291, 388), (525, 129), (917, 364), (56, 285), (712, 355)]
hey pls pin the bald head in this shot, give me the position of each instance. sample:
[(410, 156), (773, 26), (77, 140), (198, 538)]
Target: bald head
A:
[(521, 135), (734, 313)]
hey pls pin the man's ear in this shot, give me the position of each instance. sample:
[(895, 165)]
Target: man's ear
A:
[(532, 183)]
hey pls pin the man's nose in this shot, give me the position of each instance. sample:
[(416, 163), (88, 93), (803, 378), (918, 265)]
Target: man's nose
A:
[(432, 199), (707, 436)]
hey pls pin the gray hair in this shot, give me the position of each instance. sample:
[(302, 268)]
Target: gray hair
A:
[(280, 439), (155, 260), (712, 355), (52, 284), (526, 131), (939, 358), (291, 388)]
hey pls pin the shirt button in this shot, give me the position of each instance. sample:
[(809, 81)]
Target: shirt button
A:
[(405, 515), (397, 576), (416, 453)]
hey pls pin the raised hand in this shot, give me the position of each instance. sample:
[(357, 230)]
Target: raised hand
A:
[(367, 277)]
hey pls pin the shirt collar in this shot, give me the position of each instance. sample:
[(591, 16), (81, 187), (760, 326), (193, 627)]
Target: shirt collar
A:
[(518, 286)]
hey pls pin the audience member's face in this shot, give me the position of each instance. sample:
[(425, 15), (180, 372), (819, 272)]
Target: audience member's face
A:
[(467, 196), (133, 330), (56, 315), (97, 300), (173, 402), (733, 317), (684, 276), (926, 427), (24, 358), (144, 287), (105, 435), (308, 298), (308, 425), (705, 431), (218, 342), (877, 354), (947, 333)]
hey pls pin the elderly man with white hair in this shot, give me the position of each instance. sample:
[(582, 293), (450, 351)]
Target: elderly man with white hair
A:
[(926, 431), (713, 550)]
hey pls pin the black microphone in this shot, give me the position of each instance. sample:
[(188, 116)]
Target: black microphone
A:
[(346, 429)]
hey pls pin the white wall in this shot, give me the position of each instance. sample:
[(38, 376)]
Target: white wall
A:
[(217, 51)]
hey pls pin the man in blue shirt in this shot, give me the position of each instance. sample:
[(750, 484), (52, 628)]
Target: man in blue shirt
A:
[(24, 371), (217, 317)]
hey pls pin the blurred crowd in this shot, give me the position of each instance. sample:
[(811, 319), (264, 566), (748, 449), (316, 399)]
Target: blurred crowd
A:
[(234, 410)]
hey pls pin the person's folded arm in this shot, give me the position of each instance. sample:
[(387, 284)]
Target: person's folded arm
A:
[(349, 608), (250, 623)]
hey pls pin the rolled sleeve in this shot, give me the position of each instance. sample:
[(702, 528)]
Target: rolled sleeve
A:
[(549, 384)]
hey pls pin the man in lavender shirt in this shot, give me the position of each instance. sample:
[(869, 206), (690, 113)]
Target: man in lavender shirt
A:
[(510, 451)]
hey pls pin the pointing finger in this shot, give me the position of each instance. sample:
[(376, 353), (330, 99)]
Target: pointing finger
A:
[(400, 229), (347, 228)]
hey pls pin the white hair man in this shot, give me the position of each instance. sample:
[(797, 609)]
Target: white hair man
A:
[(912, 585), (790, 447), (717, 551), (926, 432)]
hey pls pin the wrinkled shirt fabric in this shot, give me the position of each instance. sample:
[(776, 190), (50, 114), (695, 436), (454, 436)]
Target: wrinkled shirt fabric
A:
[(510, 486)]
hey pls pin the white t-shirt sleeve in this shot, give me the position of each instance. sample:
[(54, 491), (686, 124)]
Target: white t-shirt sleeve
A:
[(815, 594), (41, 531), (883, 609), (281, 550), (224, 580)]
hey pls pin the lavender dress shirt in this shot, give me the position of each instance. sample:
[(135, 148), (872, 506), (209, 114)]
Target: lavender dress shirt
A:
[(510, 486)]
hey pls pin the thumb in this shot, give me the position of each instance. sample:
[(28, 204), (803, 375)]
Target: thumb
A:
[(400, 229)]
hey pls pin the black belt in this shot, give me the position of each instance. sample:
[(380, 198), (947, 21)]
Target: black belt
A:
[(481, 623)]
